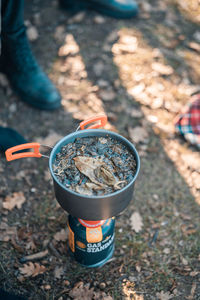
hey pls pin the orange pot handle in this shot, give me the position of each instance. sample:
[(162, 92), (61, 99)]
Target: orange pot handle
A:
[(10, 156), (102, 118)]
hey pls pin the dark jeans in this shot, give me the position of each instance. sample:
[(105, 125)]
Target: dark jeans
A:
[(11, 20), (11, 17)]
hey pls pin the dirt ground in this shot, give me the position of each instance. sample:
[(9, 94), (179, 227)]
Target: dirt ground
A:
[(140, 72)]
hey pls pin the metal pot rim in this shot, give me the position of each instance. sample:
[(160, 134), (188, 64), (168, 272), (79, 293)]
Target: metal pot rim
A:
[(84, 133)]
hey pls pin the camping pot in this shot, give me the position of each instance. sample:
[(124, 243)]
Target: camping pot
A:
[(83, 206)]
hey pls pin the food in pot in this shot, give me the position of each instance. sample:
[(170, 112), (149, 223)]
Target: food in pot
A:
[(95, 165)]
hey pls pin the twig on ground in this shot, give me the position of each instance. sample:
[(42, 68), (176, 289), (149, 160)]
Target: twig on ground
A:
[(35, 256), (55, 252), (2, 267)]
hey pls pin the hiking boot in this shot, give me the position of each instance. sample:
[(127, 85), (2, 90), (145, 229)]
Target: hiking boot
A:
[(114, 8), (26, 77), (18, 63), (10, 138)]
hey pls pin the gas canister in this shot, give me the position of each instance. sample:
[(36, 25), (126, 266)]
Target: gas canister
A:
[(91, 242)]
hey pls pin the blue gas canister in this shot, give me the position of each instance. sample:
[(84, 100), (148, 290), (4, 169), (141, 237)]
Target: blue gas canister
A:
[(91, 242)]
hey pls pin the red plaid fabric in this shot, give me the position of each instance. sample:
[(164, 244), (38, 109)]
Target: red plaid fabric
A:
[(188, 122)]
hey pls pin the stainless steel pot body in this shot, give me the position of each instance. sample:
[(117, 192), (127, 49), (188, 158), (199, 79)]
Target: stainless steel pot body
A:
[(93, 207)]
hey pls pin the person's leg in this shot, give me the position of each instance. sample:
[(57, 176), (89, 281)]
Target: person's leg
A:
[(114, 8), (10, 138), (12, 15), (18, 63)]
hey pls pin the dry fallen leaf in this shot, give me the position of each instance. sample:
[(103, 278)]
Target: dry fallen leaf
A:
[(138, 134), (70, 46), (3, 80), (6, 232), (106, 176), (32, 33), (136, 222), (183, 271), (60, 236), (166, 251), (129, 40), (194, 46), (164, 296), (188, 229), (127, 44), (136, 91), (14, 200), (99, 19), (184, 261), (46, 287), (30, 245), (101, 296), (96, 170), (85, 190), (192, 292), (107, 95), (81, 292), (77, 18), (59, 34), (47, 175), (162, 69), (112, 36), (58, 272), (136, 113), (91, 185), (194, 273), (87, 166), (138, 267), (32, 269)]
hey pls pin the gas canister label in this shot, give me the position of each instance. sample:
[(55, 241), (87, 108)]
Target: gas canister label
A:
[(100, 246), (94, 235), (71, 239)]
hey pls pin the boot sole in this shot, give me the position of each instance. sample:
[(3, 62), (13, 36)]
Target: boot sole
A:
[(41, 106), (76, 6), (35, 104)]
